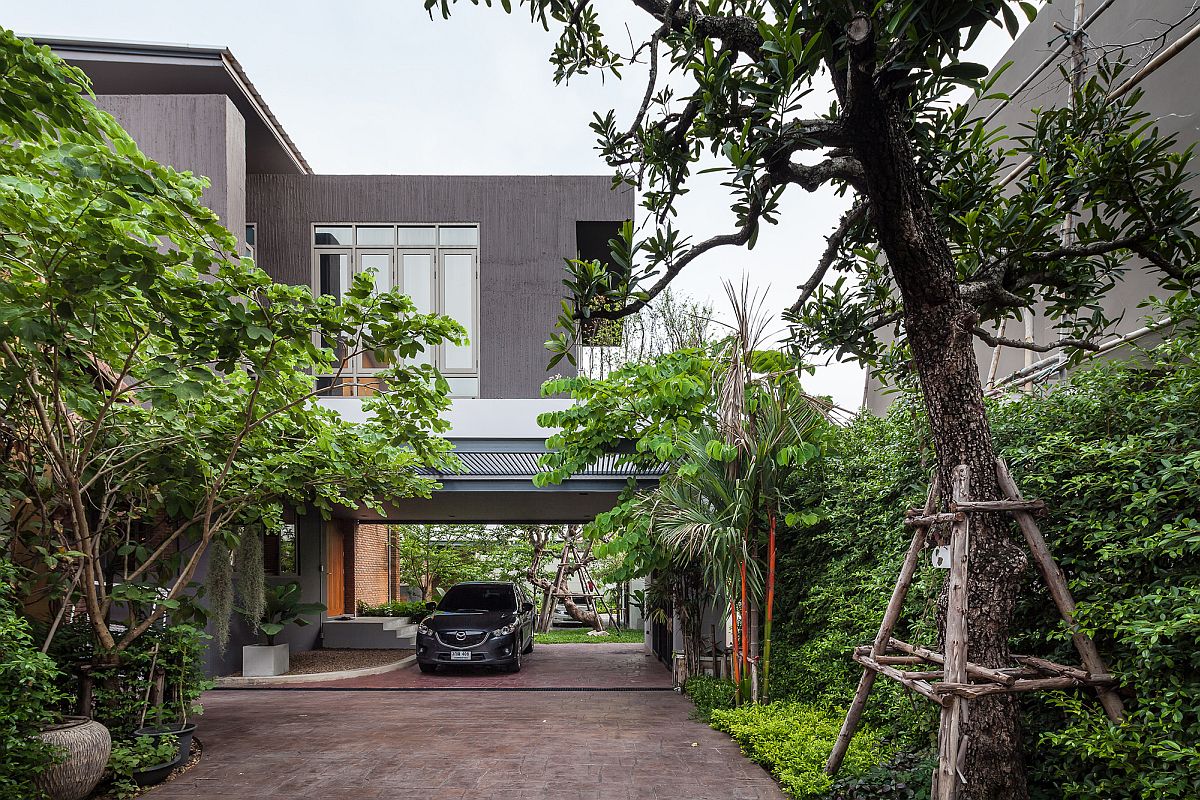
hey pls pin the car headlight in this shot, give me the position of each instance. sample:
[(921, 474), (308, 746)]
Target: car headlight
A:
[(424, 629), (505, 631)]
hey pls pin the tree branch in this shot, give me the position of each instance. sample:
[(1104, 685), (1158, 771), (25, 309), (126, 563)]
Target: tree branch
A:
[(832, 246), (814, 176), (740, 33), (1021, 344)]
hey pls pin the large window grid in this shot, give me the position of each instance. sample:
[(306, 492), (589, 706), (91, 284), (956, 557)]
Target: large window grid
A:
[(436, 265)]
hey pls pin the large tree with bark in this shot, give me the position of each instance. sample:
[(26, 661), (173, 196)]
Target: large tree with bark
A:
[(939, 244)]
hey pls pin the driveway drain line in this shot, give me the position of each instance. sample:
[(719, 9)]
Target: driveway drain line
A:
[(439, 689)]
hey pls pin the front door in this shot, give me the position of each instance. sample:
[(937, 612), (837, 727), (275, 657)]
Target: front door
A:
[(335, 569)]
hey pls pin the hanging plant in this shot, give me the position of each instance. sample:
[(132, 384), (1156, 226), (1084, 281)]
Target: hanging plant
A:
[(219, 587), (250, 576)]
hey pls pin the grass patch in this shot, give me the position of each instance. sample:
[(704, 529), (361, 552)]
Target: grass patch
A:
[(575, 635)]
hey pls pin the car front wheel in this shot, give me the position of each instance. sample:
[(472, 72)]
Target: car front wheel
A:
[(515, 666), (529, 647)]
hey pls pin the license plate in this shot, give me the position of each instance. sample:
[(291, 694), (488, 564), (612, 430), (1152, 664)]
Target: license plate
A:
[(460, 655)]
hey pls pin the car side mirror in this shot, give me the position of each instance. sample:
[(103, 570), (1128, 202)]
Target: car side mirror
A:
[(431, 606), (527, 606)]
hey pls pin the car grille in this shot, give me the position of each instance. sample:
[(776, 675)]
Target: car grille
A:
[(469, 639)]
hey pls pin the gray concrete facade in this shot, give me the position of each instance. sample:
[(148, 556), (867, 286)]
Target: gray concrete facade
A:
[(201, 133), (527, 226), (1128, 31)]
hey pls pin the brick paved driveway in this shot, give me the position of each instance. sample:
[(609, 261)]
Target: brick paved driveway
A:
[(368, 744)]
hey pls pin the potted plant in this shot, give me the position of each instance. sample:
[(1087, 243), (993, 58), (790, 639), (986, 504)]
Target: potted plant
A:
[(142, 761), (282, 607), (173, 683)]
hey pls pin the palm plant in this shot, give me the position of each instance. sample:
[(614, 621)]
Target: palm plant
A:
[(726, 478)]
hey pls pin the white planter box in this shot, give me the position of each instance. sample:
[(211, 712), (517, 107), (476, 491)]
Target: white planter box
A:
[(260, 661)]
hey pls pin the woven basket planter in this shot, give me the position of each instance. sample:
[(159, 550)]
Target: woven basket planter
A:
[(85, 746)]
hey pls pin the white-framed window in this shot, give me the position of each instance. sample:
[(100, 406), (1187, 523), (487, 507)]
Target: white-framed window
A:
[(436, 265)]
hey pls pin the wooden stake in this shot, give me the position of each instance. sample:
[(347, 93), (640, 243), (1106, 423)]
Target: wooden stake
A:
[(921, 687), (945, 786), (974, 670), (1060, 591), (890, 616)]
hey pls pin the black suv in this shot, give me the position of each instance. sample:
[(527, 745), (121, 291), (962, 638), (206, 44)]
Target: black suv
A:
[(477, 624)]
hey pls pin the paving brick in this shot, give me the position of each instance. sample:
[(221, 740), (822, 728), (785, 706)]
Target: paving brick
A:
[(455, 745)]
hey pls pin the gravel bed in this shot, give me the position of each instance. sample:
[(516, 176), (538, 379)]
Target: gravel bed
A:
[(313, 661)]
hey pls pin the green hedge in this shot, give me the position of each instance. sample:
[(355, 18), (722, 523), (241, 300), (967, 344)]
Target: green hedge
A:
[(709, 694), (414, 609), (1115, 452), (793, 741)]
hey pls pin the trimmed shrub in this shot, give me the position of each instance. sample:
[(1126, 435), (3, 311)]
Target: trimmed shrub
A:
[(793, 741), (414, 609), (709, 694)]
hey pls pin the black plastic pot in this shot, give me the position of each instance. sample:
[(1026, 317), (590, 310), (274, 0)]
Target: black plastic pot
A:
[(153, 775), (182, 730)]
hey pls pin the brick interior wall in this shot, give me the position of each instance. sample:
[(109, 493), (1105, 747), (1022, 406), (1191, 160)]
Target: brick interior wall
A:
[(371, 564)]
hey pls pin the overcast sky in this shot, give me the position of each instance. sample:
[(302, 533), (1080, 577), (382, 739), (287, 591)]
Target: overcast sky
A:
[(375, 86)]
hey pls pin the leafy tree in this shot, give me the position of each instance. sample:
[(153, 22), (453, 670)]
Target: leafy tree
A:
[(936, 247), (435, 557), (156, 392)]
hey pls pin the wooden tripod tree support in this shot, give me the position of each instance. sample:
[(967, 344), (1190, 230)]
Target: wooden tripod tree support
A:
[(571, 563), (953, 679)]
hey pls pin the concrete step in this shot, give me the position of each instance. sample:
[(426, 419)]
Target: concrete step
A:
[(371, 633)]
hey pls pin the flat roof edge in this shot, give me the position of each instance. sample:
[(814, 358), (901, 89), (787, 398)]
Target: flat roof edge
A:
[(222, 56)]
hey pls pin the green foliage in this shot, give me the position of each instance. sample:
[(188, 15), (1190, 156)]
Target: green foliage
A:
[(413, 609), (160, 382), (134, 755), (710, 694), (120, 691), (836, 574), (639, 410), (282, 607), (218, 586), (433, 558), (793, 741), (904, 776), (1115, 452), (1099, 157), (580, 636), (29, 698), (749, 90), (250, 576)]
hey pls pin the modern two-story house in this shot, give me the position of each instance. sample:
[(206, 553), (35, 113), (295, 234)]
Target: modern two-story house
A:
[(485, 250)]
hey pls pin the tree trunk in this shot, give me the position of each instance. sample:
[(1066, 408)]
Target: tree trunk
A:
[(938, 324)]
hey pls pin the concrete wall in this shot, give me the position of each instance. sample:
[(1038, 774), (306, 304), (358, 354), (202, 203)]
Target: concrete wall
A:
[(1170, 97), (204, 134), (527, 228)]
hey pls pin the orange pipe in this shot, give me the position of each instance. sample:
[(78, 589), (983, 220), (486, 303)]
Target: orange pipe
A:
[(745, 618), (771, 566), (733, 644)]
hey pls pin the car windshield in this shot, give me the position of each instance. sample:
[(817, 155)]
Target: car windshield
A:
[(479, 597)]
